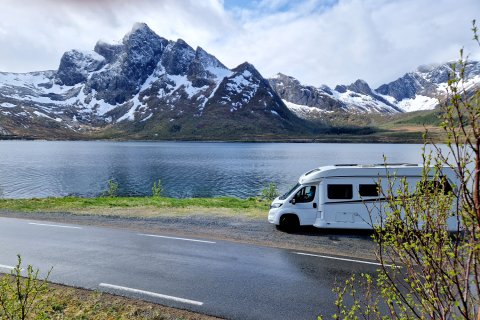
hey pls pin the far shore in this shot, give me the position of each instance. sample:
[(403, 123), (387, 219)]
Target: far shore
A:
[(397, 135)]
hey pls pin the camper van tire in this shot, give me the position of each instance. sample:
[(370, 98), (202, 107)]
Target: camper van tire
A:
[(289, 223)]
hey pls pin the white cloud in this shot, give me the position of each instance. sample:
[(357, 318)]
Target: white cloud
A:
[(316, 41), (374, 40)]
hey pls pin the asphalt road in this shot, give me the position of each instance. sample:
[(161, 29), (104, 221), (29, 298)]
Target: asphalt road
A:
[(219, 278)]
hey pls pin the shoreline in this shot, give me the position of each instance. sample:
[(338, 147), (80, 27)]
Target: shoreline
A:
[(393, 138)]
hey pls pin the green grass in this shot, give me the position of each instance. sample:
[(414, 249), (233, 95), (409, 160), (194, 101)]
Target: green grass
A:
[(140, 206), (62, 302)]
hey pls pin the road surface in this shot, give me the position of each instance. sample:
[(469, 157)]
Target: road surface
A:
[(219, 278)]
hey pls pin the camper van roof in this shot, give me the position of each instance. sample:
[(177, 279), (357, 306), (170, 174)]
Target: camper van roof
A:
[(361, 170)]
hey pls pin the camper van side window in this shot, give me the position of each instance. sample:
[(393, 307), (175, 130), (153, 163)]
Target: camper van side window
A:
[(340, 191), (306, 194), (368, 190)]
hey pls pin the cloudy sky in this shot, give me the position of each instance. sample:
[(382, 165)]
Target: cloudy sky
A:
[(317, 41)]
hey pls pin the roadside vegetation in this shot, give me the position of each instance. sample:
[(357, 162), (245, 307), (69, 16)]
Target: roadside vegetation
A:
[(30, 297), (142, 207), (427, 272), (110, 204)]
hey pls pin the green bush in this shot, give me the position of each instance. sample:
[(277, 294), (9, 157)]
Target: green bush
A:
[(269, 192), (21, 298), (157, 188), (426, 271), (112, 190)]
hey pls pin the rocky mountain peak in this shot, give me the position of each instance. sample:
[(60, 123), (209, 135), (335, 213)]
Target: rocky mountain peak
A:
[(472, 69), (75, 66), (435, 73), (177, 57), (109, 51), (130, 64), (207, 59), (247, 67), (205, 66), (360, 86), (403, 88), (140, 32), (142, 44), (283, 79)]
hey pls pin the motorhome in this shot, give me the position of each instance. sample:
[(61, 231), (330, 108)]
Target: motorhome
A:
[(346, 196)]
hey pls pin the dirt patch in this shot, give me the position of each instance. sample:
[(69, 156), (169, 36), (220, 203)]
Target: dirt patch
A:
[(351, 243)]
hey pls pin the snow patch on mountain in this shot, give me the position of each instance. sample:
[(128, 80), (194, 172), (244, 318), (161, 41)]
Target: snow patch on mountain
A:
[(43, 115), (418, 103), (7, 105), (243, 84), (99, 107), (303, 111), (186, 85), (219, 73), (357, 102)]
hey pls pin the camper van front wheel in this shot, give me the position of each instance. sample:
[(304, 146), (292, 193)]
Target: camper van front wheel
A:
[(289, 223)]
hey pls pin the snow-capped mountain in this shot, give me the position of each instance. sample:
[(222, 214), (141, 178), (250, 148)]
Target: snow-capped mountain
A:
[(422, 89), (418, 90), (146, 85)]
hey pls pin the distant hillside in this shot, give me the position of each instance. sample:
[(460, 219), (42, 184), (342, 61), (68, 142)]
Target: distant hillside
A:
[(418, 90)]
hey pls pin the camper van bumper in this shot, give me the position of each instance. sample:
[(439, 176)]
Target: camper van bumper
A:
[(272, 216)]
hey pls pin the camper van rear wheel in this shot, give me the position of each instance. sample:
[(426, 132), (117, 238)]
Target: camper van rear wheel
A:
[(289, 223)]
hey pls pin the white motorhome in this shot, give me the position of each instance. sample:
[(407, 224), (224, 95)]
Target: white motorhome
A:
[(345, 196)]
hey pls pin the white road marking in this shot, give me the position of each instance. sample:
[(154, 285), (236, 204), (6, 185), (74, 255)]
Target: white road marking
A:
[(2, 266), (174, 238), (53, 225), (151, 294), (344, 259)]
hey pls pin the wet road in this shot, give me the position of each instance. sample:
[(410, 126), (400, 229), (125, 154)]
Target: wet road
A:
[(220, 278)]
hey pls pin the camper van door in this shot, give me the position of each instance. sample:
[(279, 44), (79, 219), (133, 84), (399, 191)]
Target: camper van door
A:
[(306, 204)]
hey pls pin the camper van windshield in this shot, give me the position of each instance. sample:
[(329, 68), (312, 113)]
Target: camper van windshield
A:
[(289, 192)]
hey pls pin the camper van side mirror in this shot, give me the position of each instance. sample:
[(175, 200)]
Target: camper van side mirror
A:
[(292, 201)]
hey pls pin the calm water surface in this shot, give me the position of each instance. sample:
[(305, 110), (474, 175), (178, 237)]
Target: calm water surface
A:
[(186, 169)]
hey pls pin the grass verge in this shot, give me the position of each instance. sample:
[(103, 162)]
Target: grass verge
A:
[(142, 207), (64, 302)]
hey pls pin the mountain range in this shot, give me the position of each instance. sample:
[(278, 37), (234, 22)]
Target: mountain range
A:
[(148, 87)]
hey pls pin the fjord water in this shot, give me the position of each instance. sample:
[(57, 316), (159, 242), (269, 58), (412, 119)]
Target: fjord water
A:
[(186, 169)]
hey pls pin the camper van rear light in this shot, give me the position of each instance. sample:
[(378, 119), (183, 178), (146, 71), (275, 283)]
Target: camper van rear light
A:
[(276, 205)]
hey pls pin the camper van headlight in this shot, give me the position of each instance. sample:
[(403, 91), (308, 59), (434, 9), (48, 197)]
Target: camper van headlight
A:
[(276, 205)]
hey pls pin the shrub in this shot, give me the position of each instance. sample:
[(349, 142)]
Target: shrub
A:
[(438, 275), (112, 190), (157, 189), (21, 298), (269, 192)]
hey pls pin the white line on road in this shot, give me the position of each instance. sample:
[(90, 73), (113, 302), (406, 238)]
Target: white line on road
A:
[(174, 238), (151, 294), (53, 225), (344, 259)]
